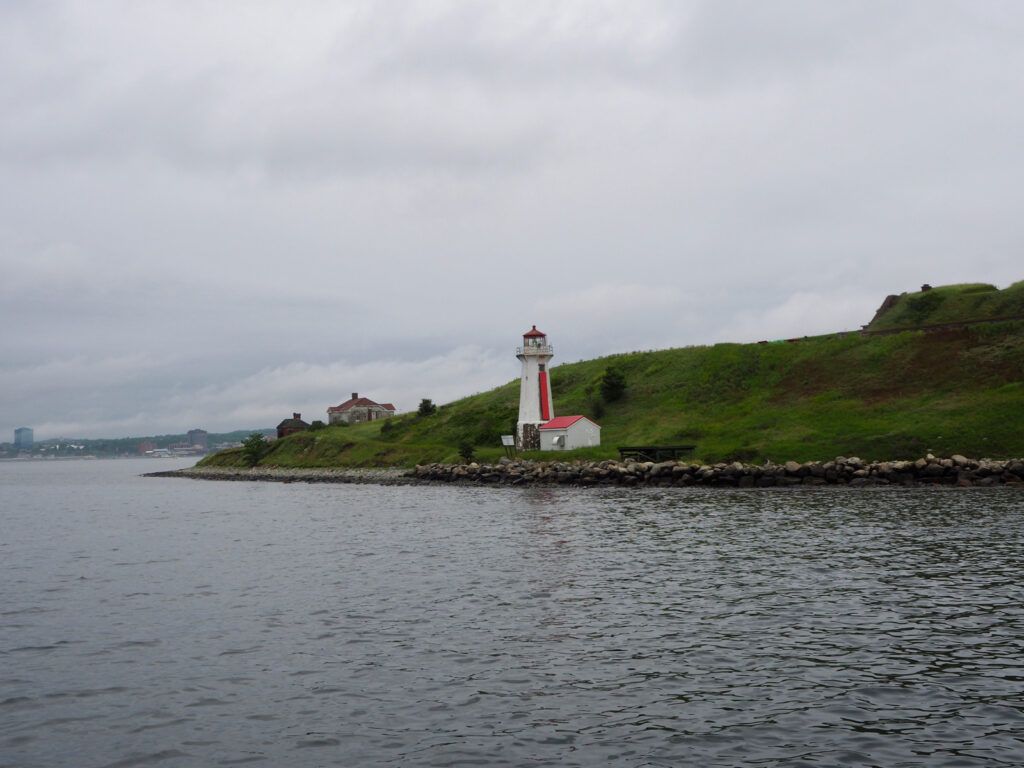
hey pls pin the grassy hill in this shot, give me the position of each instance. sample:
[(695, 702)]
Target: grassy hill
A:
[(877, 397), (950, 304)]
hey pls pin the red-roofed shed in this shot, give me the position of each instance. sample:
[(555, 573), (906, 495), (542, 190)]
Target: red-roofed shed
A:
[(563, 433), (562, 422)]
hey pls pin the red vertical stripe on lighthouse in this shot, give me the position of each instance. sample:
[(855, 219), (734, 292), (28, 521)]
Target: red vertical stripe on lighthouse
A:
[(545, 406)]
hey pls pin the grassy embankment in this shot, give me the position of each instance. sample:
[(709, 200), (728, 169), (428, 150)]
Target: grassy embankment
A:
[(883, 397), (952, 304)]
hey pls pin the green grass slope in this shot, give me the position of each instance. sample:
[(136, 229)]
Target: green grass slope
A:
[(952, 304), (881, 397)]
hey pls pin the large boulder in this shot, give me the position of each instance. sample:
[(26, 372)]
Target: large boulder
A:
[(664, 467)]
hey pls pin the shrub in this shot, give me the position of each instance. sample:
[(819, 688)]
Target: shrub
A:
[(253, 448), (920, 307), (613, 385), (317, 425), (427, 407), (466, 451)]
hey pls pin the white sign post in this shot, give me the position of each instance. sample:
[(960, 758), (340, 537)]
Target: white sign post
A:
[(509, 441)]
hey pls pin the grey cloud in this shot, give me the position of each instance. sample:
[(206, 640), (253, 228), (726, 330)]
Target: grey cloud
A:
[(307, 119), (506, 49), (196, 196)]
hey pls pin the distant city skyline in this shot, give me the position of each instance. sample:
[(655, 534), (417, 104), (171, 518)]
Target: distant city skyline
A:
[(221, 214)]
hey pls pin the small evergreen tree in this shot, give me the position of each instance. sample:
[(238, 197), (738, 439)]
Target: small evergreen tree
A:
[(252, 448), (466, 451), (427, 407), (613, 385)]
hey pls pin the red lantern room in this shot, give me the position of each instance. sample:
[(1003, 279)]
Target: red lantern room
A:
[(534, 340)]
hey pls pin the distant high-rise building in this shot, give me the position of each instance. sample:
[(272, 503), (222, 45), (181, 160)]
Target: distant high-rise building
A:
[(23, 438), (198, 437)]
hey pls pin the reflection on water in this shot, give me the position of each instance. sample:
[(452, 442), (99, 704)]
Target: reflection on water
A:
[(178, 623)]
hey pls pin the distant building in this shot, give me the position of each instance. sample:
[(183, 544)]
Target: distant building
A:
[(359, 409), (294, 424), (24, 437), (144, 447), (197, 438), (563, 433)]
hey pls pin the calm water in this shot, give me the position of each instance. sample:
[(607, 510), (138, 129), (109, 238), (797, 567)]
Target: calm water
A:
[(179, 623)]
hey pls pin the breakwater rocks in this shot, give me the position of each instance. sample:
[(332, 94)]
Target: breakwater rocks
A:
[(853, 472), (385, 476)]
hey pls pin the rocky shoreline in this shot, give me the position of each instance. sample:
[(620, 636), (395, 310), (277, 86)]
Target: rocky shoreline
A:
[(842, 471)]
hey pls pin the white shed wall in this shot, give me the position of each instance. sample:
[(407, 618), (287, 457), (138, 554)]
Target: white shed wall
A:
[(582, 434)]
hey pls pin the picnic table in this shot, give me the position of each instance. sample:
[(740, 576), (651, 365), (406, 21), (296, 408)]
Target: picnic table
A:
[(654, 452)]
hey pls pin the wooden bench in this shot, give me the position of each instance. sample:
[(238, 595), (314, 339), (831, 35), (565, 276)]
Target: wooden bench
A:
[(654, 452)]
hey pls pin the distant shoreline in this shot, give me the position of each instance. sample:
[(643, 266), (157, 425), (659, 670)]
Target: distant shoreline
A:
[(354, 476), (955, 471), (46, 459)]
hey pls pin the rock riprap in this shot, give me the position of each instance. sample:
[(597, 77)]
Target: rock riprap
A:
[(847, 471)]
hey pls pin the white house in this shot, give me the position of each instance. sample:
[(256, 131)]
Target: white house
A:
[(358, 409), (564, 433)]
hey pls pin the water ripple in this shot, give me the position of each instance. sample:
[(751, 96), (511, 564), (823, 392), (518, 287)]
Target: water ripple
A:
[(354, 625)]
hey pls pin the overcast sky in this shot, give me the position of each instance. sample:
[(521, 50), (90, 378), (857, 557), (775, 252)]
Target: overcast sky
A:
[(215, 214)]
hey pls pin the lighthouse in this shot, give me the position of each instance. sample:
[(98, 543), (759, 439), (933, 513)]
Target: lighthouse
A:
[(536, 407)]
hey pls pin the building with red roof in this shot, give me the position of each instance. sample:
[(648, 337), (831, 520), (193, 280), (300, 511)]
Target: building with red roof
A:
[(358, 409), (537, 427), (563, 433), (291, 426)]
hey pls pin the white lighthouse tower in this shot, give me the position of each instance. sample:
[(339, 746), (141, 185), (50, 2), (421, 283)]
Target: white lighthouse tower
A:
[(536, 405)]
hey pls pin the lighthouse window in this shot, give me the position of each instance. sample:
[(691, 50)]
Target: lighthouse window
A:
[(542, 367)]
